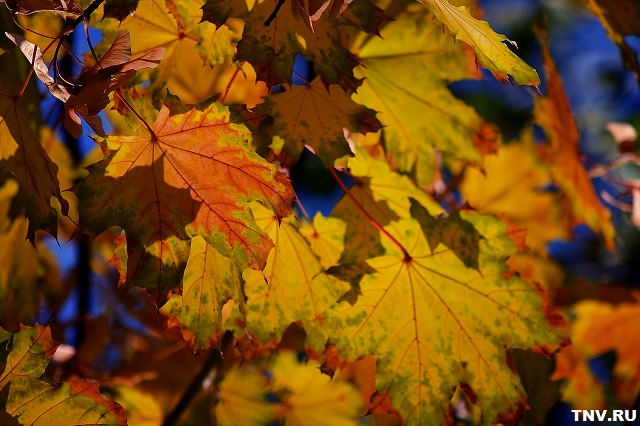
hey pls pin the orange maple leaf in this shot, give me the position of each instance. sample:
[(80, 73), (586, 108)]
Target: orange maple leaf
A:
[(194, 175)]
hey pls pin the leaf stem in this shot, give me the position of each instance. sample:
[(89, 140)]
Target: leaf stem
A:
[(374, 222), (144, 123)]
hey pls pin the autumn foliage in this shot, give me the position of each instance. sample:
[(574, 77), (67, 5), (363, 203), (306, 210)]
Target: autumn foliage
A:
[(427, 296)]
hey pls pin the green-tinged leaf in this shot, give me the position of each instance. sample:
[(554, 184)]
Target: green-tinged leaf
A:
[(433, 323), (210, 280), (22, 156), (455, 233), (489, 47), (293, 286), (326, 238), (316, 116), (384, 195), (196, 177), (406, 73), (28, 400)]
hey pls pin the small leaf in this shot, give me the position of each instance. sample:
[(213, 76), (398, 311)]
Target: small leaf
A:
[(120, 9), (242, 397), (326, 238), (210, 280)]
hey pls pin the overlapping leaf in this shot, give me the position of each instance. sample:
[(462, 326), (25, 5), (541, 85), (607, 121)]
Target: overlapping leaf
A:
[(384, 195), (553, 114), (28, 400), (271, 41), (293, 286), (406, 73), (315, 116), (22, 156), (210, 280), (194, 176), (175, 26), (326, 238), (489, 47), (434, 322)]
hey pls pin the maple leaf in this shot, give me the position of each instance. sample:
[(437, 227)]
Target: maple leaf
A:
[(553, 114), (194, 176), (191, 47), (434, 322), (270, 43), (315, 116), (384, 195), (210, 280), (620, 20), (406, 73), (489, 47), (293, 286), (326, 238), (22, 156), (28, 400)]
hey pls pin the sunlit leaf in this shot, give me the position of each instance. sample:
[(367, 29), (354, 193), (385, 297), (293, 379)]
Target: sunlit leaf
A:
[(490, 48), (28, 400), (406, 73), (433, 323), (195, 176), (210, 280), (191, 47), (292, 287), (326, 238), (384, 195)]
